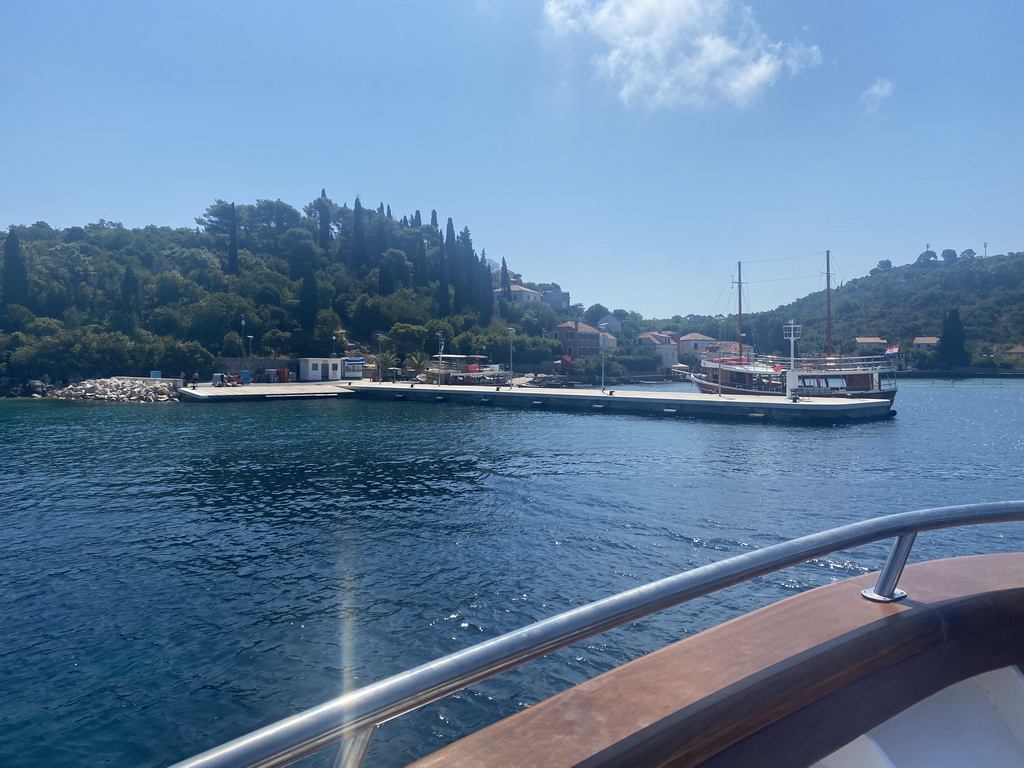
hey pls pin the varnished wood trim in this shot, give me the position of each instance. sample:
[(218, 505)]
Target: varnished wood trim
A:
[(781, 686)]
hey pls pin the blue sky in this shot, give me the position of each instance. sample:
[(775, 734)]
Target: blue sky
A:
[(632, 150)]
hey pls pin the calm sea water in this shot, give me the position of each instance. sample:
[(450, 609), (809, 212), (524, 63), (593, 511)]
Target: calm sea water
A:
[(173, 576)]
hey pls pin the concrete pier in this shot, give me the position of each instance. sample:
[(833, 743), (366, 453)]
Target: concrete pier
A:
[(687, 405), (206, 392), (816, 410)]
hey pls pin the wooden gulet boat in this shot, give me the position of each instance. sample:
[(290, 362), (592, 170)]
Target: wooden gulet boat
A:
[(872, 376)]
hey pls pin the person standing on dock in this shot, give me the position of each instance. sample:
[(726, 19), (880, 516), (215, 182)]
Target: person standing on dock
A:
[(195, 379)]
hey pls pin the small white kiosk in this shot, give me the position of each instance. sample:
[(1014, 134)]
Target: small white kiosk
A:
[(330, 368)]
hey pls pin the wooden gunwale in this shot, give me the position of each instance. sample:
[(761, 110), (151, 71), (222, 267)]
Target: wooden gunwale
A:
[(782, 686)]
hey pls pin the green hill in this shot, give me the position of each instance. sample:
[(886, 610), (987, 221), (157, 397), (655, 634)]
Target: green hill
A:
[(900, 303), (266, 279)]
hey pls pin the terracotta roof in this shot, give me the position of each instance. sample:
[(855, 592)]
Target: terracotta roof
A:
[(574, 326)]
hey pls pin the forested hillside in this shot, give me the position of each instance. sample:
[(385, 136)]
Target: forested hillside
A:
[(900, 303), (269, 280), (103, 299)]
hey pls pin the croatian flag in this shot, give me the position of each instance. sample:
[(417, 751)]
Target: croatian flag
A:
[(894, 350)]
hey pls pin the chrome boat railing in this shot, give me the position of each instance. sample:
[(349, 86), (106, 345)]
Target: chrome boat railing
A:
[(354, 715)]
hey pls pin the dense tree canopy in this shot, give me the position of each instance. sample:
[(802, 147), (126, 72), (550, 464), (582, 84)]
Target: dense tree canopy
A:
[(168, 298), (101, 299)]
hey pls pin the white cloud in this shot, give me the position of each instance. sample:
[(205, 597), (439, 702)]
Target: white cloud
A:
[(879, 91), (664, 53)]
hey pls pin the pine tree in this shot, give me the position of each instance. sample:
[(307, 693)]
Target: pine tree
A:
[(233, 243), (15, 273)]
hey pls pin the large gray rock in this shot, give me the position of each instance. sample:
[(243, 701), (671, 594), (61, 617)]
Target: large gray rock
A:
[(120, 390)]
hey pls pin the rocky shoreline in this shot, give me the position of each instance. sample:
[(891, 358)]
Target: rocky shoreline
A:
[(116, 389)]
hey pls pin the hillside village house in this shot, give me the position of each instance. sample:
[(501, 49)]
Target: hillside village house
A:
[(869, 343), (926, 342), (1017, 351), (520, 294), (577, 339), (692, 343), (557, 300), (665, 344)]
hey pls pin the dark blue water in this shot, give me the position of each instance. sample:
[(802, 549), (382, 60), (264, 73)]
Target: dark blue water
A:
[(173, 576)]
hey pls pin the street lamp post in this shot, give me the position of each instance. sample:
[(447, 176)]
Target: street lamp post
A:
[(243, 327), (250, 345), (440, 356), (600, 343), (380, 351), (511, 334), (333, 339)]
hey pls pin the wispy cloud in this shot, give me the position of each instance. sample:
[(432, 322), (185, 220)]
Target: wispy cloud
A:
[(664, 53), (879, 91)]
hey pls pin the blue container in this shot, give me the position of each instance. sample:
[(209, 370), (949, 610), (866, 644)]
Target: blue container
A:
[(155, 375), (245, 377)]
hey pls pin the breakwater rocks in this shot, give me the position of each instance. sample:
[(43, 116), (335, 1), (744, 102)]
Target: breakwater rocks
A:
[(118, 390)]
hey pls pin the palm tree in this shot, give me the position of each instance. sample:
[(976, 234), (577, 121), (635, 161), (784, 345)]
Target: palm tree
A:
[(417, 360), (386, 360)]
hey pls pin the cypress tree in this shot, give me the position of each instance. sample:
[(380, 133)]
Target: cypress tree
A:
[(951, 352), (433, 219), (323, 216), (452, 265), (506, 284), (416, 220), (131, 298), (421, 262), (15, 273), (358, 236), (469, 272), (486, 293), (444, 308), (309, 299)]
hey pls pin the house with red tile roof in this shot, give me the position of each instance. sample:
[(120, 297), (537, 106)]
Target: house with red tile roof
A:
[(577, 339)]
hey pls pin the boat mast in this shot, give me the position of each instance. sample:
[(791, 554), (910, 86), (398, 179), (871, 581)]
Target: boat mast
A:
[(739, 286), (828, 304)]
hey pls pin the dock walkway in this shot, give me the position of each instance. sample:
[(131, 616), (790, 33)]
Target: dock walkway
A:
[(663, 404), (815, 410), (209, 393)]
